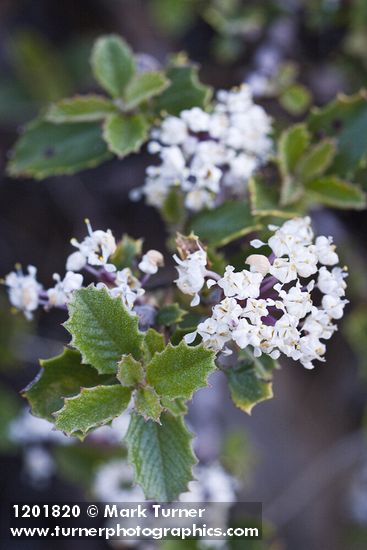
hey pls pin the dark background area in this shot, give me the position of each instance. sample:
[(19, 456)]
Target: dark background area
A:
[(308, 440)]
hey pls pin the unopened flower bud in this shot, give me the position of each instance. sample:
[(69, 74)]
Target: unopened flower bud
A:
[(151, 261), (258, 263)]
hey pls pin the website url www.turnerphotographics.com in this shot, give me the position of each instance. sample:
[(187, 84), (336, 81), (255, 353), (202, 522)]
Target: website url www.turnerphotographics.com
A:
[(135, 521)]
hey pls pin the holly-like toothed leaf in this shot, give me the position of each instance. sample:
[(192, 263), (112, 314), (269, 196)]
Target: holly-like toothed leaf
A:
[(125, 134), (293, 143), (153, 343), (344, 119), (265, 201), (61, 376), (178, 371), (113, 64), (102, 329), (161, 455), (47, 149), (144, 86), (296, 99), (247, 388), (335, 192), (147, 403), (88, 108), (227, 222), (184, 92), (130, 372), (128, 249), (173, 208), (317, 160), (175, 406), (93, 407), (169, 315)]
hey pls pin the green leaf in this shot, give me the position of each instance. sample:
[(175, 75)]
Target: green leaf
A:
[(38, 65), (130, 372), (173, 208), (125, 134), (93, 407), (47, 149), (175, 406), (61, 376), (153, 343), (144, 86), (128, 249), (344, 119), (86, 108), (333, 191), (169, 315), (113, 64), (265, 201), (184, 92), (161, 455), (296, 99), (147, 403), (317, 160), (246, 388), (178, 371), (227, 222), (293, 143), (102, 329)]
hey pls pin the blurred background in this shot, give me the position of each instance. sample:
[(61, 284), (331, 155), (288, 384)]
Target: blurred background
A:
[(302, 454)]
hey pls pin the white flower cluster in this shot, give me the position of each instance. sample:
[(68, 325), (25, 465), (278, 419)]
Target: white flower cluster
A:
[(208, 155), (93, 255), (272, 306)]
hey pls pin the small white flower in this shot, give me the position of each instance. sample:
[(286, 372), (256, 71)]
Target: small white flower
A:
[(325, 251), (198, 199), (76, 261), (286, 334), (228, 311), (241, 284), (295, 302), (24, 290), (318, 323), (283, 270), (304, 260), (191, 274), (151, 261), (310, 349), (127, 288), (214, 333), (61, 293), (96, 248), (246, 334), (256, 309), (173, 131), (292, 234), (334, 306), (332, 282), (196, 119)]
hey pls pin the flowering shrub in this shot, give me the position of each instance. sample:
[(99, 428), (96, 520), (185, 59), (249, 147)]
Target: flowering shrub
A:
[(224, 176)]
